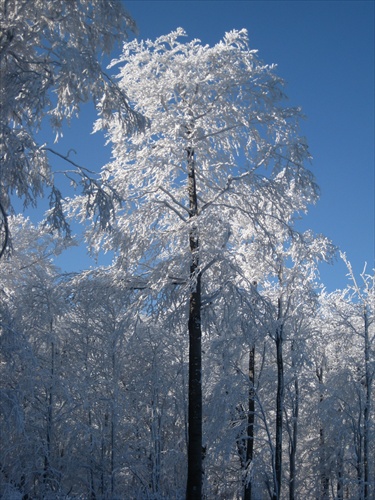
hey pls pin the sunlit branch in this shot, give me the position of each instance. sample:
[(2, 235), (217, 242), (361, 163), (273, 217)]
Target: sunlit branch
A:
[(6, 230)]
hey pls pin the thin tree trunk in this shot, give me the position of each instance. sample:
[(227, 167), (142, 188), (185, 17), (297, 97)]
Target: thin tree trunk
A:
[(324, 479), (366, 416), (92, 495), (293, 440), (250, 425), (195, 463), (279, 405), (359, 452), (103, 474), (47, 456), (156, 444), (340, 476), (112, 455), (113, 416)]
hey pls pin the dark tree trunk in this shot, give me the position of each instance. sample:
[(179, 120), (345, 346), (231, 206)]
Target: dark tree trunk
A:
[(195, 462), (92, 495), (279, 405), (324, 479), (366, 415), (340, 475), (293, 438), (250, 425), (245, 439), (49, 419)]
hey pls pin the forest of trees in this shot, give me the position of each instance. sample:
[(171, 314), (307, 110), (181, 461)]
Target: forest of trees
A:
[(207, 360)]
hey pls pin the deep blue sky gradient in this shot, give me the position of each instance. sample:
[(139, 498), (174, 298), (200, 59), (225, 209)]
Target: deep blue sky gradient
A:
[(324, 51)]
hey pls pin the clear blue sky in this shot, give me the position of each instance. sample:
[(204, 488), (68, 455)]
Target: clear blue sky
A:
[(325, 52)]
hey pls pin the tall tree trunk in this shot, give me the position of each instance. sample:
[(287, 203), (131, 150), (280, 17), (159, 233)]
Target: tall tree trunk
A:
[(103, 456), (324, 479), (250, 426), (113, 417), (293, 446), (195, 463), (92, 495), (155, 455), (49, 419), (340, 475), (279, 404), (293, 437), (245, 439), (366, 415), (112, 454), (358, 443)]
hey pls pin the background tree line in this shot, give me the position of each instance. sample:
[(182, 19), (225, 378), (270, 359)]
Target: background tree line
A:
[(94, 384)]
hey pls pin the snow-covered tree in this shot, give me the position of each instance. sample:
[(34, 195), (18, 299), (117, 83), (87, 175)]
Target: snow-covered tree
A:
[(50, 63), (220, 166), (31, 366), (289, 289), (350, 370)]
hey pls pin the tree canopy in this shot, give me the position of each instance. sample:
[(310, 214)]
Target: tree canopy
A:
[(50, 63)]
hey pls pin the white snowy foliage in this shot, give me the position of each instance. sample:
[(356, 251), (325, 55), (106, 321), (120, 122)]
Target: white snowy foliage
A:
[(50, 63), (227, 106)]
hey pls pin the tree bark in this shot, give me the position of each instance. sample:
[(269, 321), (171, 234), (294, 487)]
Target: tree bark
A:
[(250, 425), (49, 416), (245, 439), (279, 405), (195, 462), (366, 416), (324, 479), (92, 495), (340, 475), (293, 439)]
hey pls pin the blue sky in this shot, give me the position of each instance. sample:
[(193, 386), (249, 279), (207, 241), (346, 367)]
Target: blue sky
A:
[(324, 50)]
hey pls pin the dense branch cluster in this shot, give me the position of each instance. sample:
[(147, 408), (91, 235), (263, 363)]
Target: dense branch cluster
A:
[(50, 64)]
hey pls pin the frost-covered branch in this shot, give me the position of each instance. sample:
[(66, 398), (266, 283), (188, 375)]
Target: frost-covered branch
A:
[(49, 57)]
